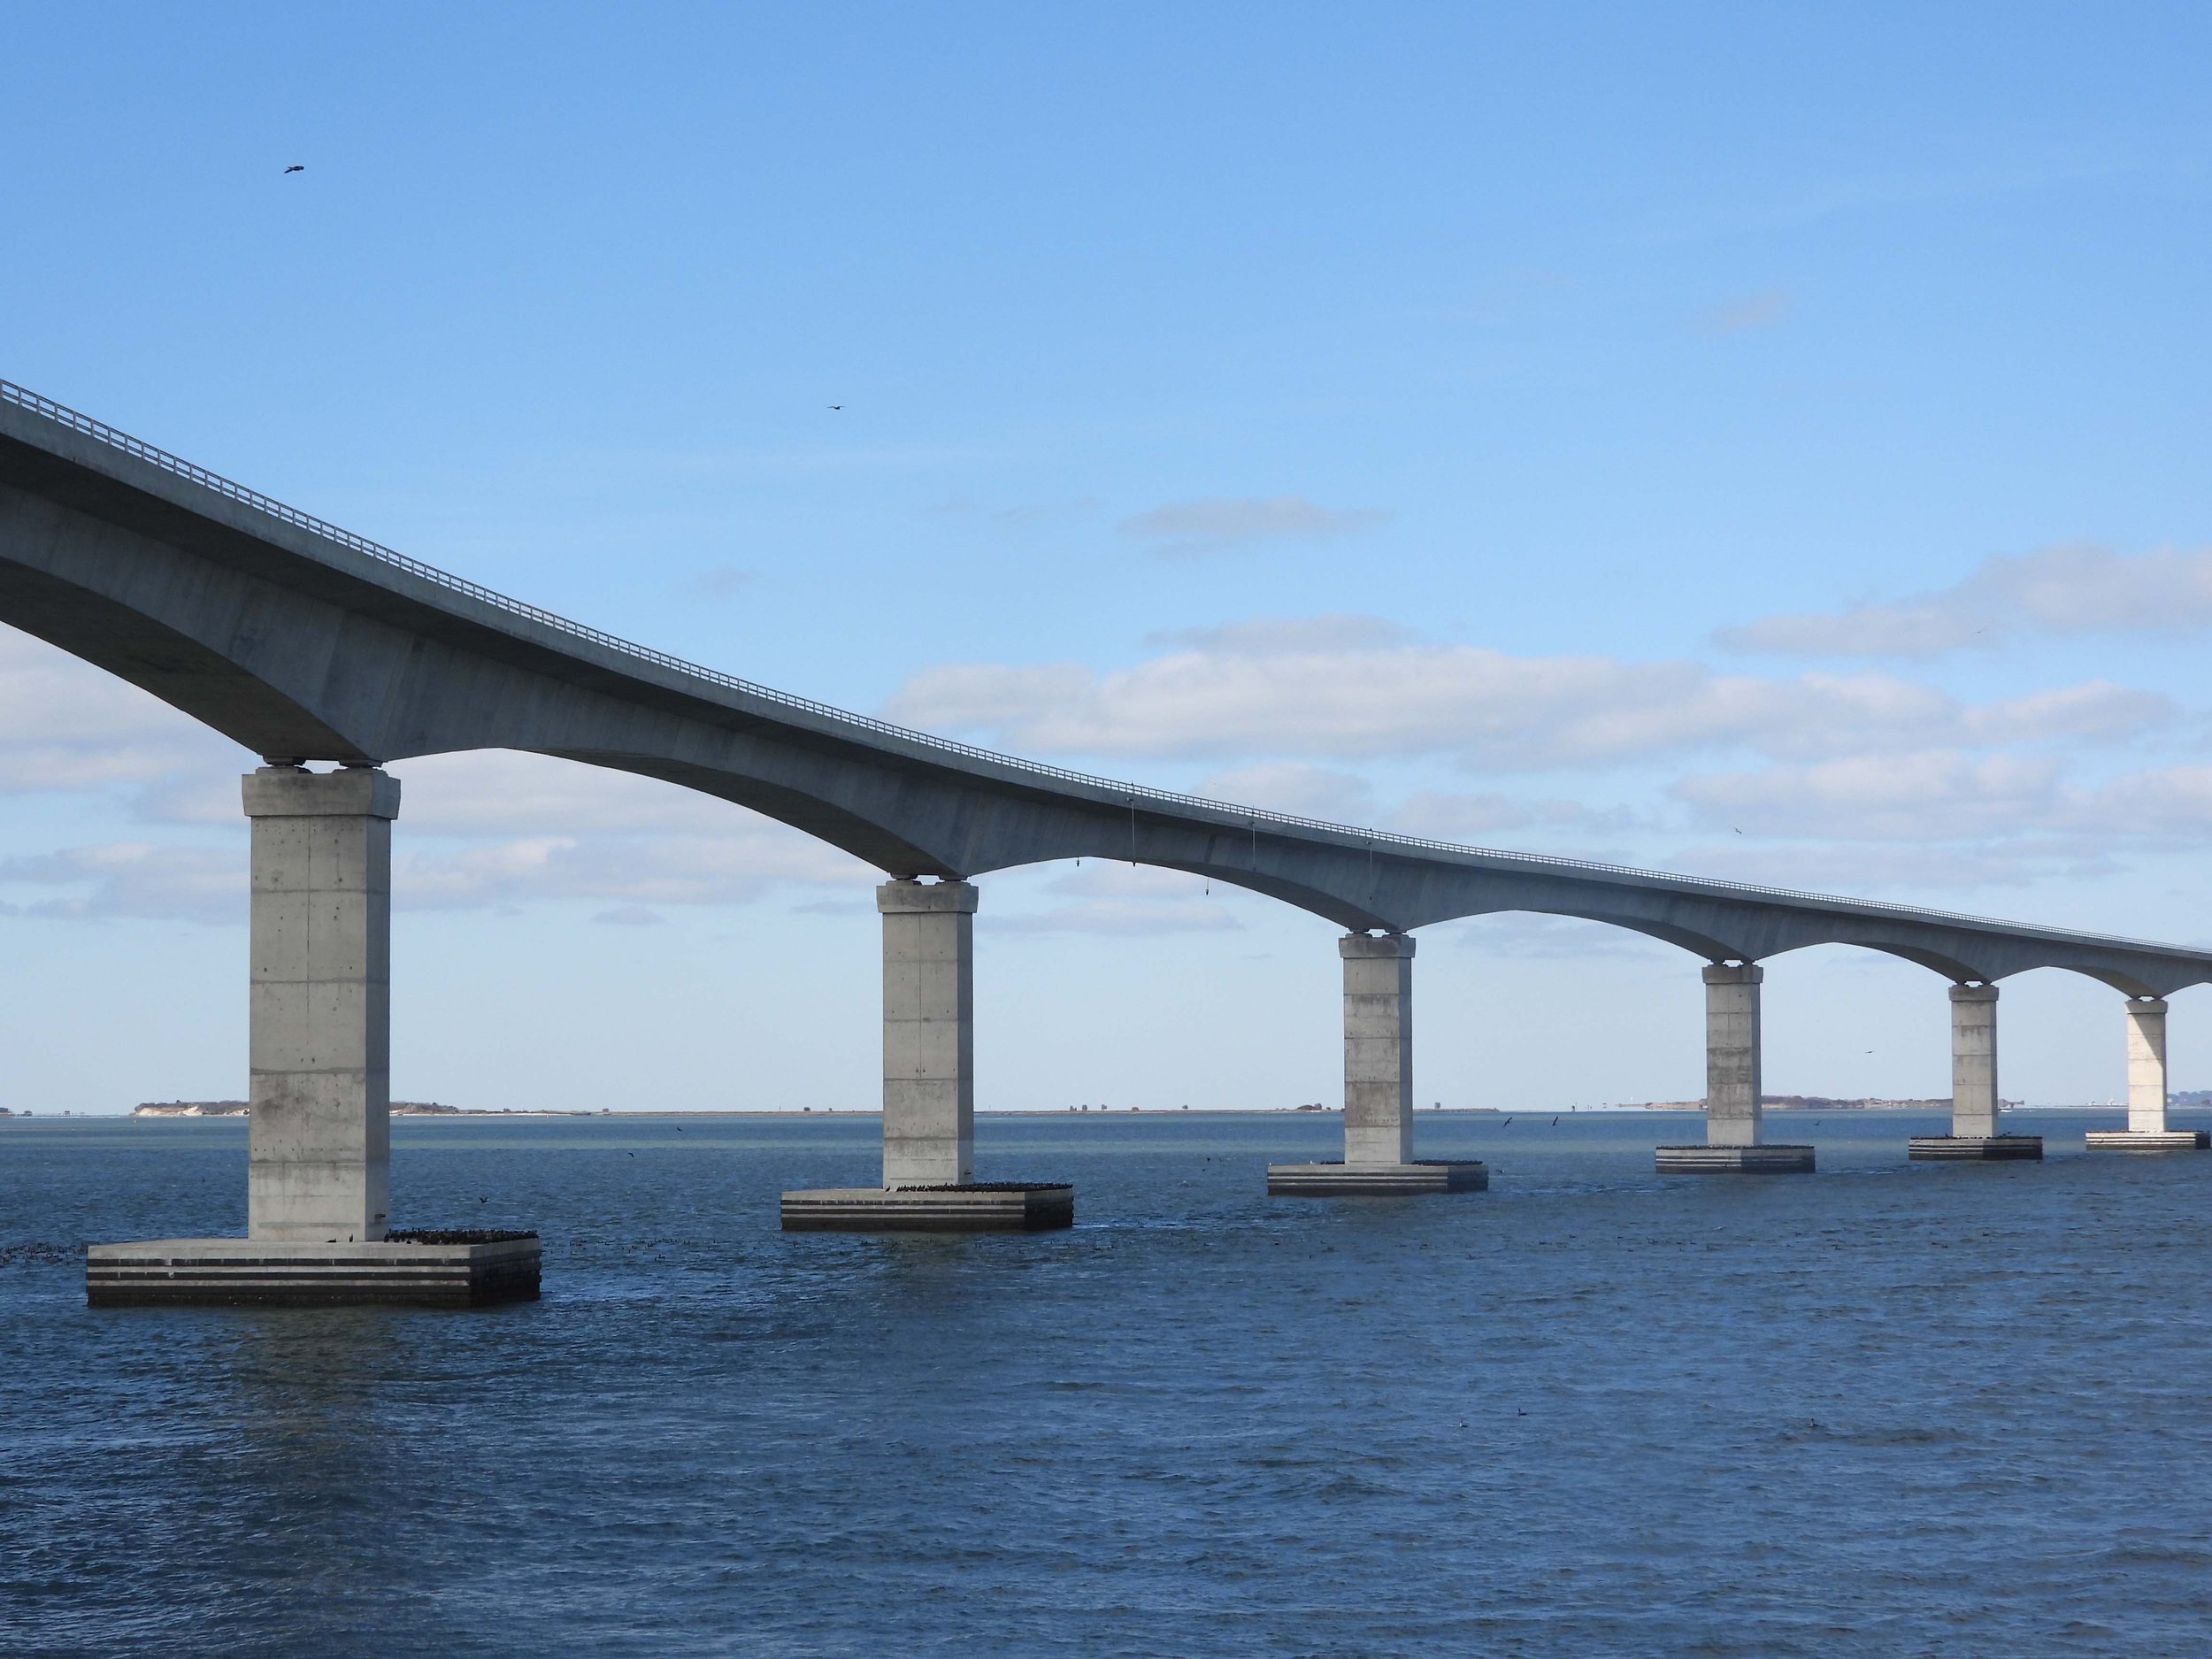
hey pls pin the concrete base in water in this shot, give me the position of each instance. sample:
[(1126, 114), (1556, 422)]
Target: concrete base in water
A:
[(1735, 1160), (1972, 1148), (1376, 1180), (431, 1270), (976, 1207), (2149, 1140)]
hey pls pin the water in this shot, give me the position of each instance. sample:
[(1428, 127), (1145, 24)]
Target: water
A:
[(1887, 1409)]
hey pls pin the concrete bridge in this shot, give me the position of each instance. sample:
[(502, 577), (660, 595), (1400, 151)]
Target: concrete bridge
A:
[(306, 643)]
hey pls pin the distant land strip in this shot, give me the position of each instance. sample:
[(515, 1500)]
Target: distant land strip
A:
[(400, 1108), (1814, 1104), (435, 1109)]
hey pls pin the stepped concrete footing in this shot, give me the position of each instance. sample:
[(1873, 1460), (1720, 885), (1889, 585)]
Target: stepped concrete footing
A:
[(2149, 1140), (1376, 1180), (1973, 1149), (969, 1206), (471, 1268), (1771, 1160)]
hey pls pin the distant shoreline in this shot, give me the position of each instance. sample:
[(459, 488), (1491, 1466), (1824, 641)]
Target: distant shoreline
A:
[(191, 1110)]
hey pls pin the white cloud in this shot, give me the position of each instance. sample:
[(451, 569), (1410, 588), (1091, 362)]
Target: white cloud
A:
[(1929, 797), (1191, 528), (1269, 691), (1126, 917), (1295, 787), (66, 725), (1899, 868), (1439, 815), (1948, 796), (1761, 310), (502, 791), (1524, 935), (2071, 589), (2172, 801), (131, 879), (1122, 899), (736, 868), (631, 874), (723, 581)]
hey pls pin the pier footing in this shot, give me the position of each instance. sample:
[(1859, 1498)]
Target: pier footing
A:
[(1972, 1148), (2149, 1140), (972, 1207), (1735, 1160), (471, 1268), (1376, 1180)]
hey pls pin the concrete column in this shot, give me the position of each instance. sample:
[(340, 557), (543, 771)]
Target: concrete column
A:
[(1731, 1055), (320, 1030), (2147, 1065), (1377, 1048), (928, 1032), (1973, 1060)]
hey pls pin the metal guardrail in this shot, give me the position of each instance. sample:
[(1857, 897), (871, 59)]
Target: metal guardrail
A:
[(22, 398)]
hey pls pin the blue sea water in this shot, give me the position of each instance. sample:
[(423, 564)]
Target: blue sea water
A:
[(1887, 1409)]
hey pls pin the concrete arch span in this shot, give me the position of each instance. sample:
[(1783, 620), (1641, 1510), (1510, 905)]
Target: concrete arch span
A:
[(303, 641)]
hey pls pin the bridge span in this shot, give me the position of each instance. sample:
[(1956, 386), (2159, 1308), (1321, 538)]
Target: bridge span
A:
[(309, 644)]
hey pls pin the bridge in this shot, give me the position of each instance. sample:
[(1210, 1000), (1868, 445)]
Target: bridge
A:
[(311, 645)]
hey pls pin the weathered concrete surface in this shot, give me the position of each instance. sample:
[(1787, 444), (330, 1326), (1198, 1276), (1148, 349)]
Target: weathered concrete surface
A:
[(234, 1272), (2147, 1065), (1732, 1065), (1973, 1061), (1377, 1049), (1974, 1148), (1735, 1160), (928, 1032), (979, 1207), (1376, 1180), (2147, 1139), (299, 640), (320, 1025)]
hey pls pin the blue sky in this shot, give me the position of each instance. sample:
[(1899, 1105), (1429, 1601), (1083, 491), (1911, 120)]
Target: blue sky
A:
[(1765, 441)]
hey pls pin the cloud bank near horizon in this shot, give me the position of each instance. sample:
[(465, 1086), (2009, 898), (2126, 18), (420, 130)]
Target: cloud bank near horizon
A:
[(2077, 589)]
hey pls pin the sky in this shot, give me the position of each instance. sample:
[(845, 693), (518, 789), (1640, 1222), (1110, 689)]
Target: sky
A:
[(1760, 441)]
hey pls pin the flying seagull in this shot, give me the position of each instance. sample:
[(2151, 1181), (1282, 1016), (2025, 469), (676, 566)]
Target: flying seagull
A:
[(298, 166), (837, 406)]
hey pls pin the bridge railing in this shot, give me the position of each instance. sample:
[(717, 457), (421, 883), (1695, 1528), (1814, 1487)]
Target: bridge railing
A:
[(22, 398)]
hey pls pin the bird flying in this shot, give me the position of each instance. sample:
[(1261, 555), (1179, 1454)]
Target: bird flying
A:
[(298, 166), (837, 405)]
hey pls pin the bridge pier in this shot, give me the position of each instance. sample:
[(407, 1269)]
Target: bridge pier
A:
[(1734, 1143), (1378, 1088), (319, 1055), (2146, 1130), (929, 1181), (1974, 1136)]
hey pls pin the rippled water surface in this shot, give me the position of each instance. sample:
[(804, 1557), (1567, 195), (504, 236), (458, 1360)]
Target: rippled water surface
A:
[(1887, 1410)]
